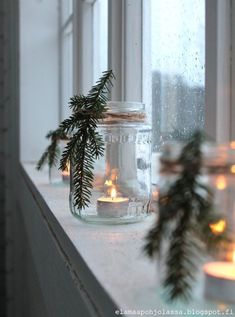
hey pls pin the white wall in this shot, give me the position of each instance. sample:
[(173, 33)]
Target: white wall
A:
[(39, 96)]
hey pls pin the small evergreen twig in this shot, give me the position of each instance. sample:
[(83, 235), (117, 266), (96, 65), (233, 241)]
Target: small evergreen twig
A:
[(51, 154), (86, 144), (185, 213)]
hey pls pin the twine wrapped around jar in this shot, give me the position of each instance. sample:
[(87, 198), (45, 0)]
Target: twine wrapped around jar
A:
[(112, 117)]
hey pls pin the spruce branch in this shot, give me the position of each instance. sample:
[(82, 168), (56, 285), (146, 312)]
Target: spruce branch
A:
[(86, 144), (98, 95), (185, 213), (52, 152), (180, 264)]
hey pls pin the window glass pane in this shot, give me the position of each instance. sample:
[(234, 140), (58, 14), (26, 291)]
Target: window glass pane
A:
[(100, 38), (177, 68)]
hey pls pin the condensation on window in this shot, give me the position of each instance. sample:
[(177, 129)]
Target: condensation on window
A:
[(178, 68)]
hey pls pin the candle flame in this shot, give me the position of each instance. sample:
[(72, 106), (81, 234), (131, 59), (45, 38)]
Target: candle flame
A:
[(66, 171), (221, 183), (113, 193), (232, 145), (218, 227), (68, 166), (108, 182), (233, 257), (232, 169)]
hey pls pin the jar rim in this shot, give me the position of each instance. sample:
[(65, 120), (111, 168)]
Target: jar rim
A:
[(214, 155), (125, 106)]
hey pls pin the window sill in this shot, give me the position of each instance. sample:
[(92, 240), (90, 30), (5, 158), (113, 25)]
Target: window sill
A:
[(104, 262)]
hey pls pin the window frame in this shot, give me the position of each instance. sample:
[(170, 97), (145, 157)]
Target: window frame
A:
[(121, 57), (129, 66), (219, 104), (83, 45), (100, 38), (126, 57), (125, 49), (63, 30), (232, 84)]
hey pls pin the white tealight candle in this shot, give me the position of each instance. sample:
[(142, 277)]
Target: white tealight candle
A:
[(220, 281), (112, 206)]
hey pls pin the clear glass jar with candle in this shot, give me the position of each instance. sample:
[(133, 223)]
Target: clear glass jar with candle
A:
[(121, 188), (220, 271), (56, 176), (217, 173)]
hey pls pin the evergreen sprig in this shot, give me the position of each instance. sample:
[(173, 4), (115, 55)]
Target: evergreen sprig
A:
[(52, 152), (185, 213), (86, 144)]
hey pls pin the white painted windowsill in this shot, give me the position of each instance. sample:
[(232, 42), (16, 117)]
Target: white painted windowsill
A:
[(106, 261)]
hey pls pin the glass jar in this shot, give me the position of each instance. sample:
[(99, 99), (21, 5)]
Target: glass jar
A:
[(56, 176), (218, 174), (121, 187), (220, 271)]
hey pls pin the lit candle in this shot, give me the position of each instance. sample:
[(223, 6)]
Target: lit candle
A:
[(112, 206), (220, 280), (232, 145), (66, 173), (218, 227), (221, 182)]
